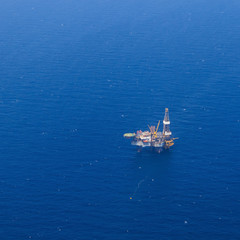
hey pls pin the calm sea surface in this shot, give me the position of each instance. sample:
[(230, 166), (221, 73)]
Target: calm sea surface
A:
[(75, 76)]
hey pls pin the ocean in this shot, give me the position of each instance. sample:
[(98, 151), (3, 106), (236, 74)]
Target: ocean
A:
[(75, 76)]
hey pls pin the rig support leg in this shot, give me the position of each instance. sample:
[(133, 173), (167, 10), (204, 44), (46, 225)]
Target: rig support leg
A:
[(159, 150)]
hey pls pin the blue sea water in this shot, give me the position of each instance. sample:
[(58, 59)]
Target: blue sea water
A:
[(75, 76)]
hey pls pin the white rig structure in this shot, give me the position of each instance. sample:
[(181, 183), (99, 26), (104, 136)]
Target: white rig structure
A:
[(153, 138)]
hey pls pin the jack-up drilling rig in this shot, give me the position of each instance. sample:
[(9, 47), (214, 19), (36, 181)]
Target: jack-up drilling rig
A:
[(153, 138)]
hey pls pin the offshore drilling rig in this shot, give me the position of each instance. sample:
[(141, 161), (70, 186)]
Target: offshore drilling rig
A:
[(153, 138)]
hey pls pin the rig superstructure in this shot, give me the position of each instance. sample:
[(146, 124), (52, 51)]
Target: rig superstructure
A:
[(154, 138)]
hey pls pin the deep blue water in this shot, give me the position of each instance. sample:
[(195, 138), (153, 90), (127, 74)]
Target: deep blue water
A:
[(75, 76)]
